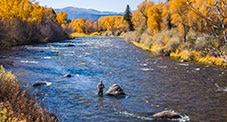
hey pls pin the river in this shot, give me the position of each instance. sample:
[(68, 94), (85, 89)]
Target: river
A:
[(152, 83)]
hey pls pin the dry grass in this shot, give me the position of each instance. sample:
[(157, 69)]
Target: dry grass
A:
[(78, 35), (141, 45), (199, 57), (16, 104)]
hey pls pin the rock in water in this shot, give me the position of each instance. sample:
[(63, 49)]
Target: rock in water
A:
[(71, 45), (67, 75), (40, 83), (168, 114), (115, 90)]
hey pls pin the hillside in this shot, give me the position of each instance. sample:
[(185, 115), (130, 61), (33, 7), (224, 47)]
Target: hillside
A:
[(89, 14)]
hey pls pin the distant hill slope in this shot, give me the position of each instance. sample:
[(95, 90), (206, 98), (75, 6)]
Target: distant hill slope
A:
[(89, 14)]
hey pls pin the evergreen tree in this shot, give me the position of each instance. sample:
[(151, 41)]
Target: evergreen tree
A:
[(128, 18)]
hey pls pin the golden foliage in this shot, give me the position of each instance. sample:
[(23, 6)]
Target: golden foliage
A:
[(180, 16), (199, 57), (155, 18), (61, 18), (26, 22), (111, 23), (212, 16), (7, 76), (23, 10), (79, 25), (140, 15)]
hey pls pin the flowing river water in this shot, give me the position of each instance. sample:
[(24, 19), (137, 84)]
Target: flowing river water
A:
[(152, 83)]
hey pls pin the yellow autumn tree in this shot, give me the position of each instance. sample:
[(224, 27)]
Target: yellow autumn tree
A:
[(166, 15), (212, 16), (155, 18), (36, 15), (79, 25), (180, 16), (196, 20), (111, 23), (12, 9), (25, 22), (140, 15), (24, 10), (61, 18)]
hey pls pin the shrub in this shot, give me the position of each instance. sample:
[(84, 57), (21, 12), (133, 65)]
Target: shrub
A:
[(165, 42), (132, 37), (146, 40), (201, 43), (172, 45), (191, 36), (16, 104)]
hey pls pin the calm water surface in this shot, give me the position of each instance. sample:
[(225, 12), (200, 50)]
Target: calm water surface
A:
[(152, 84)]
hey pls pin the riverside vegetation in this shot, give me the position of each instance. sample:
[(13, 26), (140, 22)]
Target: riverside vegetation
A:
[(25, 22), (186, 29), (16, 104)]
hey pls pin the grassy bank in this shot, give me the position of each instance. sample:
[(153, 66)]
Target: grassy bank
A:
[(202, 49), (17, 105), (101, 33)]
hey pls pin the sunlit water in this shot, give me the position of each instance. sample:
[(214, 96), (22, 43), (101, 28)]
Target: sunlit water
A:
[(152, 84)]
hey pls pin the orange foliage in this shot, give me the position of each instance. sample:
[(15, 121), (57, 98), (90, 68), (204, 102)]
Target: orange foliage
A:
[(79, 25), (24, 10), (61, 18), (155, 18), (140, 15), (212, 16), (111, 23), (25, 22)]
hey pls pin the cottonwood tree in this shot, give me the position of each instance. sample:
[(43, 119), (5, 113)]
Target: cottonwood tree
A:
[(112, 23), (155, 18), (140, 16), (180, 16), (212, 15), (61, 18), (27, 22)]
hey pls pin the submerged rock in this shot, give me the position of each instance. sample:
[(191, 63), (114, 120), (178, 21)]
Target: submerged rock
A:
[(183, 61), (40, 83), (115, 90), (67, 75), (167, 114), (71, 45)]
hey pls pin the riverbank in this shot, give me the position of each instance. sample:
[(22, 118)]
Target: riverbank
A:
[(185, 55), (168, 43), (102, 33), (16, 104)]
